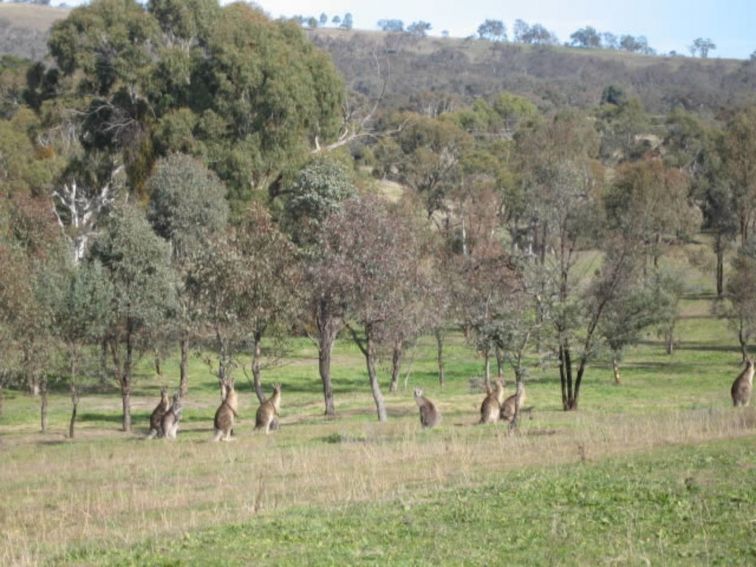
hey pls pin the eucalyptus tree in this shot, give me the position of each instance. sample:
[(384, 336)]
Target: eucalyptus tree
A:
[(247, 94), (370, 253), (563, 182), (187, 208), (245, 286), (270, 287), (136, 262), (82, 317), (317, 191), (739, 152), (649, 202), (740, 309)]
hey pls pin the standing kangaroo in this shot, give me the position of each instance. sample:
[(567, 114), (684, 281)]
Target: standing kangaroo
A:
[(171, 418), (156, 418), (429, 415), (743, 385), (510, 406), (268, 410), (226, 413), (491, 406)]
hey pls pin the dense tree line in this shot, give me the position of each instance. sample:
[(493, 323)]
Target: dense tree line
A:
[(188, 178)]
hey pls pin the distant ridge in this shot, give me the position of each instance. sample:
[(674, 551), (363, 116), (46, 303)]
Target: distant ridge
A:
[(436, 73)]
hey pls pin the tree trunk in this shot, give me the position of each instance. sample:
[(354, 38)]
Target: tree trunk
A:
[(487, 369), (720, 266), (499, 364), (104, 379), (669, 339), (569, 397), (743, 340), (324, 368), (256, 380), (74, 407), (126, 378), (31, 378), (396, 364), (158, 370), (2, 399), (616, 369), (183, 365), (43, 403), (328, 328), (440, 357), (375, 387)]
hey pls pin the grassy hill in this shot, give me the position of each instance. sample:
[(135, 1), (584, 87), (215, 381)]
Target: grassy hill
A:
[(431, 74)]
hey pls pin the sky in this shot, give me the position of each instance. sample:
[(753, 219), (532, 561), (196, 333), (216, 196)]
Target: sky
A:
[(667, 24)]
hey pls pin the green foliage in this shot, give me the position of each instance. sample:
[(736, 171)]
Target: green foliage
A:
[(26, 167), (317, 191), (136, 262), (493, 30), (187, 203), (245, 94)]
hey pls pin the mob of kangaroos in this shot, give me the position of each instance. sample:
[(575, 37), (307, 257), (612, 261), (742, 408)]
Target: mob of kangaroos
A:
[(743, 385), (164, 419)]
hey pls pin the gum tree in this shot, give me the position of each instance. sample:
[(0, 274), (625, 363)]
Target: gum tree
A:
[(137, 264)]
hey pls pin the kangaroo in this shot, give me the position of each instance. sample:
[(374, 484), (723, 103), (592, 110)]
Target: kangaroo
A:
[(224, 417), (429, 415), (170, 422), (743, 385), (156, 418), (510, 405), (268, 410), (491, 406)]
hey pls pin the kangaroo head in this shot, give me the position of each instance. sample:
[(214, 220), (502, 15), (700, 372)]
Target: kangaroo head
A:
[(418, 393)]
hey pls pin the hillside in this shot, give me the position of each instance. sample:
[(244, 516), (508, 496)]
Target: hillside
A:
[(24, 29), (431, 74)]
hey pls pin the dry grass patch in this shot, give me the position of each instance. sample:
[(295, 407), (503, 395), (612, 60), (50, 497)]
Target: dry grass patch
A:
[(99, 490)]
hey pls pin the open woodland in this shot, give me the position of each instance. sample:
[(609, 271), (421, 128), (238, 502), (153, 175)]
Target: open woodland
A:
[(201, 201)]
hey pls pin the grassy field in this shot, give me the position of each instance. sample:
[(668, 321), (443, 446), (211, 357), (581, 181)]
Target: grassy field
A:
[(658, 470)]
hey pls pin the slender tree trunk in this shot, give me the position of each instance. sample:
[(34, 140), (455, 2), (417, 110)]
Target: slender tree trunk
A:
[(328, 328), (396, 364), (487, 369), (74, 408), (104, 379), (720, 265), (669, 339), (43, 403), (2, 399), (126, 377), (375, 387), (256, 379), (184, 365), (440, 357), (158, 370), (499, 364), (31, 378), (743, 340), (616, 369)]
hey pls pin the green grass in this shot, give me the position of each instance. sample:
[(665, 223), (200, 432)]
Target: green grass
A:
[(659, 469), (674, 506)]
